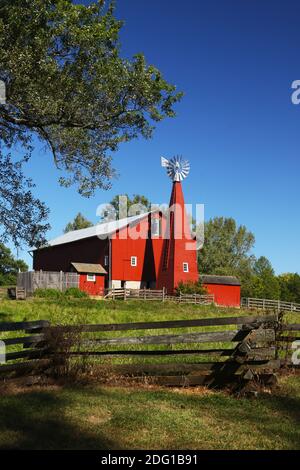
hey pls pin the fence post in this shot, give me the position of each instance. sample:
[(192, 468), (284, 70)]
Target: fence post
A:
[(113, 292), (163, 294), (144, 293)]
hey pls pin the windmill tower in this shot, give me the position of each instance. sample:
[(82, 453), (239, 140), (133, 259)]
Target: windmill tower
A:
[(179, 255)]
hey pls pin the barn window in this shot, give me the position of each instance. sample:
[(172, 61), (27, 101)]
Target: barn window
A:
[(155, 227), (185, 267), (91, 277), (133, 261), (106, 260)]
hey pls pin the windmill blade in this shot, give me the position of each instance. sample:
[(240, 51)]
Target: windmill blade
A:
[(177, 168), (164, 162)]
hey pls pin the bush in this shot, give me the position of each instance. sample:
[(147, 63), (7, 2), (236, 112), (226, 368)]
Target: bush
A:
[(75, 292), (190, 287), (48, 293), (57, 294)]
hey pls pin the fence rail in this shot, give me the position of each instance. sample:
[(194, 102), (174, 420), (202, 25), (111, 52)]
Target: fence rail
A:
[(269, 304), (151, 294), (32, 280), (237, 353)]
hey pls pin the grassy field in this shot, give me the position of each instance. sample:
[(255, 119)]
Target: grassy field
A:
[(82, 311), (98, 417), (134, 417), (76, 311)]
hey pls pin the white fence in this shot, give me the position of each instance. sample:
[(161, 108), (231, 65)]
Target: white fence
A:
[(268, 304), (33, 280)]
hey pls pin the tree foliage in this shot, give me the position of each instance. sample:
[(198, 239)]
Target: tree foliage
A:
[(67, 84), (141, 205), (78, 223), (290, 287), (226, 247), (9, 266), (22, 216)]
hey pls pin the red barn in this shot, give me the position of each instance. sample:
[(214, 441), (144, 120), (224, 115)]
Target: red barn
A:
[(226, 289), (147, 250)]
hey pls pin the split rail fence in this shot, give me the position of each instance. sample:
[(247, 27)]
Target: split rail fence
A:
[(210, 351)]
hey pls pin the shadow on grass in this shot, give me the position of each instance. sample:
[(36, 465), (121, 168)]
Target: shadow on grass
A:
[(38, 420)]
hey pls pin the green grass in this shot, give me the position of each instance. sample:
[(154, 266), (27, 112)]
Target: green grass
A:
[(65, 311), (74, 311), (137, 417), (102, 417), (80, 311)]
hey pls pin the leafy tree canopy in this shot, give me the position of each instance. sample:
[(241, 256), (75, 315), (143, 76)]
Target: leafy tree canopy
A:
[(226, 248), (141, 203), (78, 223), (9, 266), (67, 84)]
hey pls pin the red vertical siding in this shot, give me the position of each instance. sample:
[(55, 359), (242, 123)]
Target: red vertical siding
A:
[(229, 296), (92, 288), (177, 250)]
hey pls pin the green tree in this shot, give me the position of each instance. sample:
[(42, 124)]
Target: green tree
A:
[(264, 283), (226, 248), (289, 287), (141, 203), (67, 84), (227, 251), (78, 223), (9, 266)]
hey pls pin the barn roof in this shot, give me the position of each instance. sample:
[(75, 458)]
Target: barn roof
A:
[(225, 280), (89, 268), (100, 230)]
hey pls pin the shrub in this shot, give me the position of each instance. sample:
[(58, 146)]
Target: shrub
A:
[(48, 293), (57, 294), (190, 287), (75, 292)]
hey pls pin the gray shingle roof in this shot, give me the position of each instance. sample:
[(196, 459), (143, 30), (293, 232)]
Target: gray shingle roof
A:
[(102, 230), (89, 268), (214, 279)]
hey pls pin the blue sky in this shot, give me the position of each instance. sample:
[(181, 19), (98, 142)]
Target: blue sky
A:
[(235, 61)]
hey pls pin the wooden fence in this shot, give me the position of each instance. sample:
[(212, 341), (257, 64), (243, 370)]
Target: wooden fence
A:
[(31, 338), (244, 349), (160, 295), (268, 304), (32, 280)]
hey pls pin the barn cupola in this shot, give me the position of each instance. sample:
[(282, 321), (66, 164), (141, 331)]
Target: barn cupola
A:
[(179, 255)]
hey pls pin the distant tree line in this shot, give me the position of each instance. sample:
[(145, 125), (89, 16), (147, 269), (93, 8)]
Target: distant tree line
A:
[(9, 266), (227, 250)]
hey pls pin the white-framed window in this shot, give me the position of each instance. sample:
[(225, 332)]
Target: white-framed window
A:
[(155, 227), (91, 277), (185, 267), (105, 260), (133, 261)]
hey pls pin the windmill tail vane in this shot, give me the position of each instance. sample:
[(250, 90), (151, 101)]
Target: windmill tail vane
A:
[(177, 168)]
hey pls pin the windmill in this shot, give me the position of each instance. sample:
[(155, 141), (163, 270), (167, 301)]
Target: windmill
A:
[(177, 168)]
